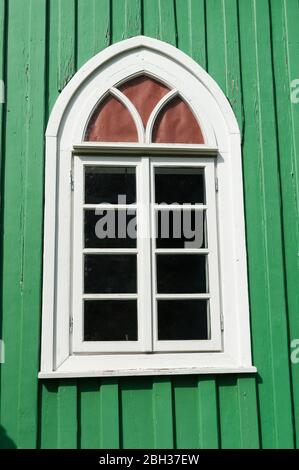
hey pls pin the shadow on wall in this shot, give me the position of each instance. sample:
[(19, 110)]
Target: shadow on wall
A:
[(5, 441)]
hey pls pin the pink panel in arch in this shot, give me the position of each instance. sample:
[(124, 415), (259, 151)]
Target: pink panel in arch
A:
[(111, 122), (176, 124), (144, 92)]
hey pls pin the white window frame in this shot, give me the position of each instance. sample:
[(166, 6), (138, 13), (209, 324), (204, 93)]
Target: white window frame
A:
[(146, 264), (64, 139), (215, 341), (142, 251)]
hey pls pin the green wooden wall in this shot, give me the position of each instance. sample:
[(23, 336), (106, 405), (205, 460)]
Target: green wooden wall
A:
[(251, 48)]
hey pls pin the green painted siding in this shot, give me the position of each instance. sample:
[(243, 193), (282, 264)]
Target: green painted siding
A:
[(251, 48)]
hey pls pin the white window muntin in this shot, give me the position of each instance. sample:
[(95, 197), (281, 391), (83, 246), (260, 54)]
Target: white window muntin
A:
[(146, 296)]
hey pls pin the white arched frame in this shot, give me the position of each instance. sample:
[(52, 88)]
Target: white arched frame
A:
[(65, 137)]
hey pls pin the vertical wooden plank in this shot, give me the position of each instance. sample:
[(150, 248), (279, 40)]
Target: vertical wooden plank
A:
[(118, 15), (61, 44), (151, 23), (232, 58), (93, 28), (160, 20), (167, 22), (136, 413), (89, 432), (48, 435), (285, 17), (98, 414), (229, 413), (249, 425), (133, 18), (191, 27), (66, 42), (13, 211), (238, 413), (32, 229), (208, 413), (223, 51), (109, 414), (126, 19), (262, 200), (3, 42), (86, 21), (5, 441), (52, 55), (187, 434), (216, 53), (102, 24), (163, 413), (291, 180), (67, 414)]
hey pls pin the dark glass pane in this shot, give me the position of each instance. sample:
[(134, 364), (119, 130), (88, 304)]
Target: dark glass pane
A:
[(179, 185), (181, 274), (182, 319), (110, 320), (110, 229), (110, 274), (106, 184), (181, 229)]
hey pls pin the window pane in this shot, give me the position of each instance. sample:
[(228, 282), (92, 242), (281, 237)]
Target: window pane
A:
[(106, 184), (181, 274), (111, 122), (110, 229), (181, 229), (182, 319), (110, 320), (177, 124), (107, 274), (179, 185)]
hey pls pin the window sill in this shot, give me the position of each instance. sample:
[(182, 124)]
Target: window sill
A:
[(117, 366), (134, 372)]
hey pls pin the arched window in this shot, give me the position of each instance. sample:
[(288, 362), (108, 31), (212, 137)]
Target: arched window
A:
[(144, 248)]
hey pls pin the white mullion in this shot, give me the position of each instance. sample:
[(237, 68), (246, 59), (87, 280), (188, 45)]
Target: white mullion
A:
[(155, 112), (110, 251), (166, 296), (144, 256), (182, 251), (106, 207), (109, 296), (178, 207), (132, 110)]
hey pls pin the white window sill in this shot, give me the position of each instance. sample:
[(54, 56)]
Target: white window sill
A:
[(134, 372), (162, 364)]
